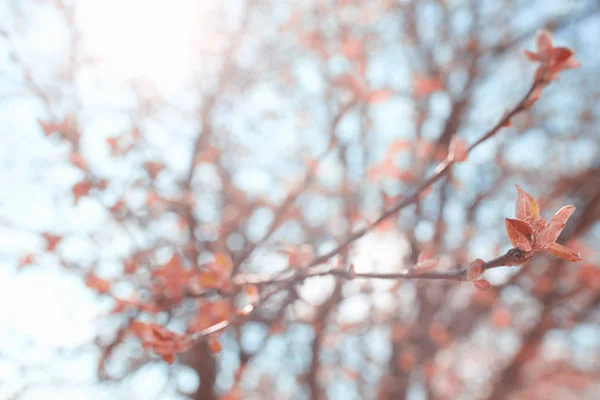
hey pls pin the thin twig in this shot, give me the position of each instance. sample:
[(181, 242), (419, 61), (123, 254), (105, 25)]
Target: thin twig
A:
[(514, 256)]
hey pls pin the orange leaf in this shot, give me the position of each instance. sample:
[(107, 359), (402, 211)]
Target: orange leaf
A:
[(209, 279), (129, 266), (425, 86), (48, 127), (377, 96), (98, 284), (223, 262), (153, 168), (81, 189), (252, 293), (555, 226), (51, 241), (526, 208), (213, 345), (26, 260), (561, 54), (501, 317), (482, 284), (352, 48), (519, 233), (562, 215), (169, 358), (458, 150), (396, 147), (539, 225), (172, 279), (531, 56), (78, 160), (563, 252), (142, 330), (475, 269)]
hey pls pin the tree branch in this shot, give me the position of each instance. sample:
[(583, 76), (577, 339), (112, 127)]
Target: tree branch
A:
[(514, 256)]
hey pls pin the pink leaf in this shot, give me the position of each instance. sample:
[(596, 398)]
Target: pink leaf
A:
[(526, 208), (475, 269), (555, 226), (482, 284), (378, 96), (519, 233), (458, 149), (543, 40), (563, 252)]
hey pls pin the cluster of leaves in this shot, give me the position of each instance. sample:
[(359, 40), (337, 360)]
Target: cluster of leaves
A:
[(532, 233)]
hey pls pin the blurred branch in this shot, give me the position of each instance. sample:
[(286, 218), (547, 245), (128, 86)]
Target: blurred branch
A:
[(441, 171)]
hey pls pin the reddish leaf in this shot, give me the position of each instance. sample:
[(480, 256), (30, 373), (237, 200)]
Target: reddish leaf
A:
[(129, 266), (553, 60), (162, 334), (81, 189), (112, 143), (396, 147), (172, 279), (389, 201), (208, 280), (301, 256), (555, 226), (543, 41), (153, 168), (458, 149), (482, 284), (213, 345), (539, 225), (561, 54), (351, 374), (78, 161), (142, 330), (28, 259), (561, 217), (526, 208), (519, 233), (501, 317), (223, 262), (425, 86), (66, 128), (168, 358), (98, 284), (563, 252), (48, 127), (475, 269), (379, 96), (531, 56), (352, 48), (51, 241), (102, 184), (252, 293)]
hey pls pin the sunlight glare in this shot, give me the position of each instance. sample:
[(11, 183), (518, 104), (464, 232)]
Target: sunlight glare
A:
[(152, 39)]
